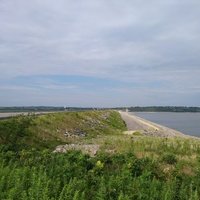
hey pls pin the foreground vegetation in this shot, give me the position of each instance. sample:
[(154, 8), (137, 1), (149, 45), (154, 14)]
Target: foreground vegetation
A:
[(126, 167)]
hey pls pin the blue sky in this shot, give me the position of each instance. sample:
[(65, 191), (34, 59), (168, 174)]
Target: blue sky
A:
[(99, 53)]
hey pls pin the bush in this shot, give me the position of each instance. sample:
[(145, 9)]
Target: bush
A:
[(37, 174), (169, 158), (13, 131)]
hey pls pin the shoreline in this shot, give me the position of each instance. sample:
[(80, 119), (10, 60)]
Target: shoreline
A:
[(149, 128)]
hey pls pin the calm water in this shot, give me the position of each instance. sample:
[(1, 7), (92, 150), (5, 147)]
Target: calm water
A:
[(188, 123)]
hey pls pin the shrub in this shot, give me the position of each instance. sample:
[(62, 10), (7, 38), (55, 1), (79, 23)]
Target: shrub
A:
[(137, 133), (169, 158)]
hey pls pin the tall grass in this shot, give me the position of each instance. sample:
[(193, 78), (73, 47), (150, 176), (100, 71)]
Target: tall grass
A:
[(126, 167), (44, 175)]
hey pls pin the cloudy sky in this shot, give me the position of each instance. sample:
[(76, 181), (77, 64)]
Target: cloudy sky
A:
[(99, 52)]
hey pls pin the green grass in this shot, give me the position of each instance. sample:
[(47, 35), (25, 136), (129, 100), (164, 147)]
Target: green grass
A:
[(47, 131), (126, 167), (31, 174), (137, 133)]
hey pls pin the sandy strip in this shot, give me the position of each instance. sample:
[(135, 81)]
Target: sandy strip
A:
[(8, 115), (5, 115), (149, 128)]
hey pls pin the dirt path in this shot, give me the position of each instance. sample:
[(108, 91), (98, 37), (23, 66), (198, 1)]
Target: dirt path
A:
[(146, 127)]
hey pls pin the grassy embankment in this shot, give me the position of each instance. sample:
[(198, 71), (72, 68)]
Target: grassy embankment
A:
[(49, 130), (126, 166)]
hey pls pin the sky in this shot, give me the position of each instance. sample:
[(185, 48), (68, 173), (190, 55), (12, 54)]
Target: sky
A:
[(102, 53)]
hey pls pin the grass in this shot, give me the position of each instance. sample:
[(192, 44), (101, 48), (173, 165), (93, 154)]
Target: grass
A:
[(104, 128), (137, 133), (47, 131), (127, 166)]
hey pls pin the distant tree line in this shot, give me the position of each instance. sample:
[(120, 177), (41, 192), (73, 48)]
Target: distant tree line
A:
[(46, 109), (131, 109), (31, 109), (162, 109)]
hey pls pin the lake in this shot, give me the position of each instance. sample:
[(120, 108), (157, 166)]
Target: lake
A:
[(188, 123)]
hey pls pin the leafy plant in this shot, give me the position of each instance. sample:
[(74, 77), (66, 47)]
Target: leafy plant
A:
[(169, 158)]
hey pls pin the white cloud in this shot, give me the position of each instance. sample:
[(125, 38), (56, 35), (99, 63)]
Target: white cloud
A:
[(132, 41)]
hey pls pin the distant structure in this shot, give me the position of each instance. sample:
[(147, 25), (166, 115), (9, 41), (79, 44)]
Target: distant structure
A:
[(126, 109)]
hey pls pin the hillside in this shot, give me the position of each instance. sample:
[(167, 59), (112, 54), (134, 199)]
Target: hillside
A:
[(49, 130), (124, 167)]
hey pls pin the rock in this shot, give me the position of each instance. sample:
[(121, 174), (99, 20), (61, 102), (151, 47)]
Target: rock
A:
[(105, 116), (85, 148), (74, 133)]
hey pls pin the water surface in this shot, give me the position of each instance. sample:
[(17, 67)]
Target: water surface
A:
[(188, 123)]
